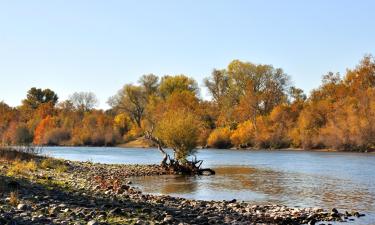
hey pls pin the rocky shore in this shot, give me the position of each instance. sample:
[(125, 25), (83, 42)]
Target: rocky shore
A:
[(93, 194)]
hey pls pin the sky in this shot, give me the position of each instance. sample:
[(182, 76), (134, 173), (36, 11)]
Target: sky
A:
[(91, 45)]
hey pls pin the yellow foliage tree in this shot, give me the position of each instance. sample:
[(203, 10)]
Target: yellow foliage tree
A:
[(220, 138), (244, 135), (179, 130)]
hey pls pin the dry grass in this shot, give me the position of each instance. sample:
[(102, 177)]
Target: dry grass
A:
[(61, 168), (14, 198), (50, 163), (47, 163), (22, 168), (25, 160)]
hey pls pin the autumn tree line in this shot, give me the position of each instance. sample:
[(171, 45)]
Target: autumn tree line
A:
[(252, 106)]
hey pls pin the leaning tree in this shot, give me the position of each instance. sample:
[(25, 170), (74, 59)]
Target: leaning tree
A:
[(178, 130)]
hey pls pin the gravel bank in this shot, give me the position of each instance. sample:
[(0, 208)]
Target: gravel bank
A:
[(93, 194)]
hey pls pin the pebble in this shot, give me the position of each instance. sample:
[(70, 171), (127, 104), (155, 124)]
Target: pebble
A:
[(92, 222), (97, 192), (21, 206)]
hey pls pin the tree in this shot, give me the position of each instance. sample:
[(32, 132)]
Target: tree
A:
[(36, 97), (56, 136), (179, 131), (7, 116), (178, 83), (122, 123), (41, 130), (220, 138), (84, 101), (244, 135), (217, 84), (132, 100), (150, 83), (268, 83), (45, 109), (245, 90), (297, 94), (363, 76), (17, 134)]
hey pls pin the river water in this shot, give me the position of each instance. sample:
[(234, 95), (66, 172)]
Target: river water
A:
[(294, 178)]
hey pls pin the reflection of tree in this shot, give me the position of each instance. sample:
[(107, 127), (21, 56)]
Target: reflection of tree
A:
[(296, 188), (292, 189), (169, 184), (180, 185)]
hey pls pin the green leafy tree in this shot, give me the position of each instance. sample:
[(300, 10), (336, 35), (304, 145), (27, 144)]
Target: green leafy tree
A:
[(36, 97)]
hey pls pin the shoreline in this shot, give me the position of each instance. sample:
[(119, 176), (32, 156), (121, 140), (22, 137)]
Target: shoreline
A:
[(231, 149), (93, 194)]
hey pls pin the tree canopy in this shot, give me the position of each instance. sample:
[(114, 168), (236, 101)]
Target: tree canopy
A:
[(252, 106)]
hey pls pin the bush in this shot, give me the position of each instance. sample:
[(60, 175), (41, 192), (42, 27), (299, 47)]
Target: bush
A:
[(111, 138), (22, 168), (243, 136), (179, 131), (50, 163), (97, 139), (57, 136), (23, 135), (47, 163), (220, 138)]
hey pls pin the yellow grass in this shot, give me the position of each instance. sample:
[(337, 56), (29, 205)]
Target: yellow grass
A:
[(22, 168)]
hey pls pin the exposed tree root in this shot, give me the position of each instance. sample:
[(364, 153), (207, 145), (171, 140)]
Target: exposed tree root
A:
[(176, 166)]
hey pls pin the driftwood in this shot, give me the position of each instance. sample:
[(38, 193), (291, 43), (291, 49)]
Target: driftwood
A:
[(186, 167)]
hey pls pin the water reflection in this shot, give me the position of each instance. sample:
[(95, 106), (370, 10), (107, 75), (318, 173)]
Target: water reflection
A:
[(177, 184), (265, 186)]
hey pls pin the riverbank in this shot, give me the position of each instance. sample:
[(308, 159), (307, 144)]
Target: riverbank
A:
[(144, 143), (52, 191)]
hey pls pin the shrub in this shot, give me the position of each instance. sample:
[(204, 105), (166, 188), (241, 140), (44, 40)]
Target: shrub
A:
[(50, 163), (179, 131), (22, 168), (97, 139), (56, 136), (47, 163), (111, 138), (61, 168), (17, 134), (220, 138), (243, 136)]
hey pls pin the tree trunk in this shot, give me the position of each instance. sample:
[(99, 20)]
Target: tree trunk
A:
[(175, 166), (160, 147)]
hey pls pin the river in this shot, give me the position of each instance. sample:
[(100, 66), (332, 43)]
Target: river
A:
[(294, 178)]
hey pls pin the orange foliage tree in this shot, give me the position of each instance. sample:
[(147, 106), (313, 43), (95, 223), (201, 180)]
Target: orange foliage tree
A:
[(43, 127)]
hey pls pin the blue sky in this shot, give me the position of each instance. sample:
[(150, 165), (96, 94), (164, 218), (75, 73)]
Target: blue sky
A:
[(99, 46)]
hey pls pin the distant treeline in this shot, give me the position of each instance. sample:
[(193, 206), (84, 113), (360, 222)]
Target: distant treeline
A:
[(252, 106)]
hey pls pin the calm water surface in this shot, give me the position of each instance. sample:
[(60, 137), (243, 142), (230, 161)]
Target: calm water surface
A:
[(294, 178)]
